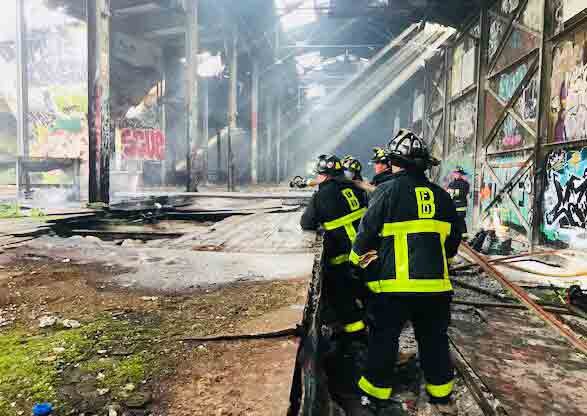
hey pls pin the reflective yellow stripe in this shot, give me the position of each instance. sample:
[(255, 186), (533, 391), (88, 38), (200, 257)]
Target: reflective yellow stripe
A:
[(354, 327), (416, 226), (402, 262), (343, 258), (410, 286), (440, 391), (342, 221), (461, 208), (377, 392), (354, 258), (351, 232), (402, 282)]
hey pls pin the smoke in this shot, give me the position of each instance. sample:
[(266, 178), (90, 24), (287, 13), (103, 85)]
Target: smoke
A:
[(356, 101)]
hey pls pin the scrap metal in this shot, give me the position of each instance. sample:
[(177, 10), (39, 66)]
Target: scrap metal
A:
[(519, 293)]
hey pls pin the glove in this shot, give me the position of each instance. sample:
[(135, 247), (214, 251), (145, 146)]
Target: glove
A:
[(298, 182)]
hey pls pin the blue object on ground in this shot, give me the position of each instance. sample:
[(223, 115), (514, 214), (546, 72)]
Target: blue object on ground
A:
[(42, 409)]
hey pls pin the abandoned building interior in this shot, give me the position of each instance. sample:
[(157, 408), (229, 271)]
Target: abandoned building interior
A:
[(151, 255)]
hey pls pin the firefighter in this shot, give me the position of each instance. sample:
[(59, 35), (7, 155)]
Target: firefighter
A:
[(458, 189), (353, 168), (352, 171), (413, 227), (380, 162), (337, 206)]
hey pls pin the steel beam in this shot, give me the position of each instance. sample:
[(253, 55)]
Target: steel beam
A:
[(479, 151), (544, 70)]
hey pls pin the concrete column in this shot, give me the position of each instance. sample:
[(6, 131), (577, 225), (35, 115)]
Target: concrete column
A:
[(205, 128), (232, 108), (101, 128), (254, 122), (278, 138), (22, 99), (192, 49), (269, 138)]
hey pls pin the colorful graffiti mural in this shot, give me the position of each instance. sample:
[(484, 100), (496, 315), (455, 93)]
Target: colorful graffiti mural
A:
[(513, 211), (507, 83), (565, 198), (58, 104), (568, 116)]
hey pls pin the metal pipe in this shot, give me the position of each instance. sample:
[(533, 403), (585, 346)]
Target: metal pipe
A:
[(502, 259), (519, 293), (561, 311)]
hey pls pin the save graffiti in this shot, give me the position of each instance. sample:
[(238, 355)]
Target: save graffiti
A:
[(143, 144)]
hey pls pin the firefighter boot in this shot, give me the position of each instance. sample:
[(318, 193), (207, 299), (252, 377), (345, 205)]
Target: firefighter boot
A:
[(449, 409), (370, 406)]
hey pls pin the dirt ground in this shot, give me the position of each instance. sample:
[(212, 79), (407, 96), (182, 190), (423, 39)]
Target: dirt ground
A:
[(128, 357)]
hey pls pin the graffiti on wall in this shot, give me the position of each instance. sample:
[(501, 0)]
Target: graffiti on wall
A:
[(509, 6), (139, 135), (527, 104), (565, 197), (496, 32), (463, 66), (462, 125), (142, 144), (568, 115), (507, 83), (57, 79), (532, 16), (506, 211)]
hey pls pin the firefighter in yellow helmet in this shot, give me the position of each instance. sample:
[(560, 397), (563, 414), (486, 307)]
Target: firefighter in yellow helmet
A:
[(413, 227), (337, 207)]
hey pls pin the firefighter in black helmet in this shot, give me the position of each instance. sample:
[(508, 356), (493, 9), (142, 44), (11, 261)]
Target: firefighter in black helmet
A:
[(337, 207), (412, 225), (458, 188), (352, 168)]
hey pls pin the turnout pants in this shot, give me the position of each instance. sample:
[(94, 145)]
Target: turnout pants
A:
[(462, 216), (341, 292), (430, 317)]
